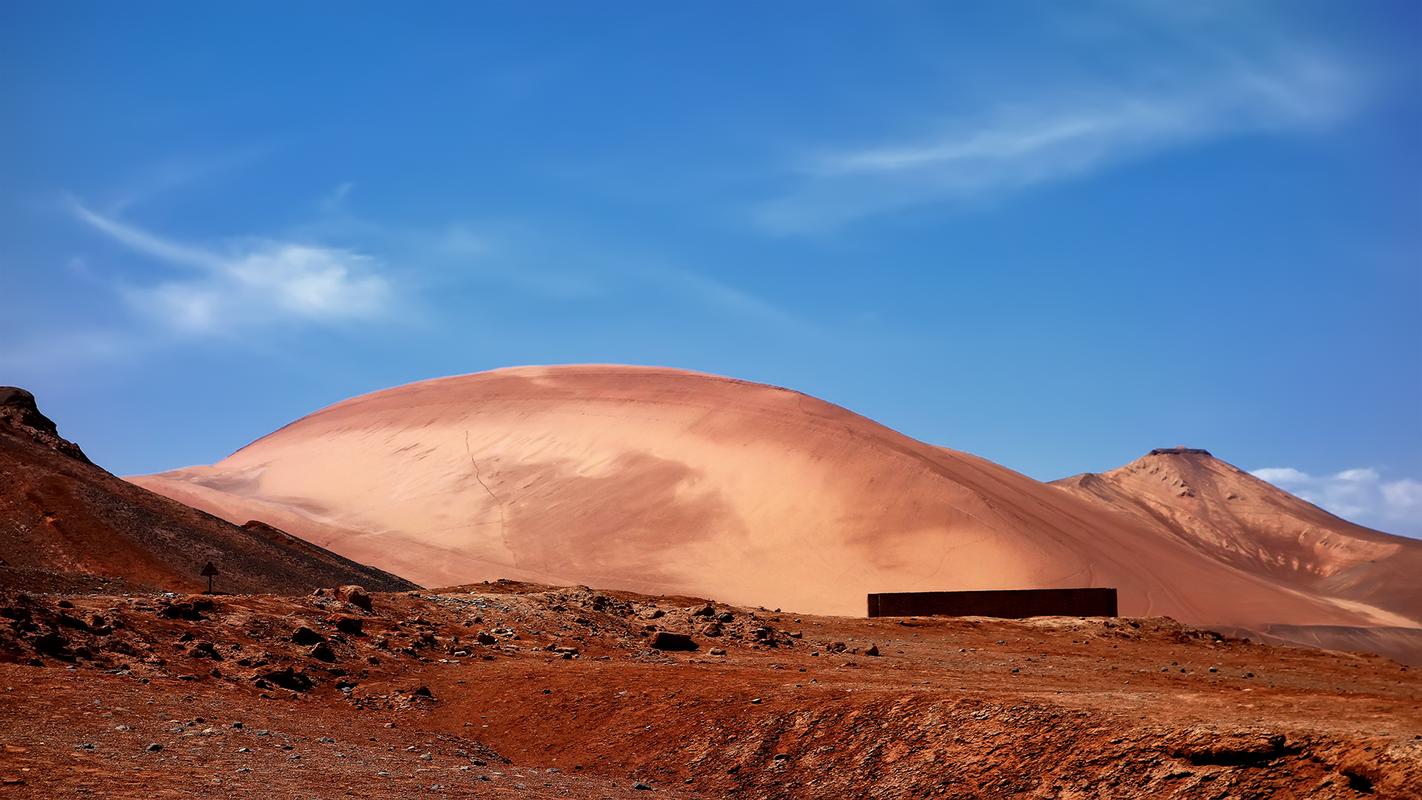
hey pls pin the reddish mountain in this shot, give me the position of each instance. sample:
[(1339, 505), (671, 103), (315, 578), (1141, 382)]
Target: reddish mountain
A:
[(68, 525), (1254, 526)]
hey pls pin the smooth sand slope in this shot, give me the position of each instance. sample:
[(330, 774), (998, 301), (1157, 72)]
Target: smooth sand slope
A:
[(665, 481)]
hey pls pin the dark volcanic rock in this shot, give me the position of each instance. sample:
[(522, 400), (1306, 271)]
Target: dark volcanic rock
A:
[(54, 645), (287, 678), (346, 623), (304, 635), (20, 416), (666, 640)]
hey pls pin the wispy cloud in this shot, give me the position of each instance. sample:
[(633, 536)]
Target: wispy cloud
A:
[(246, 282), (1360, 494), (726, 298), (1066, 131), (177, 171)]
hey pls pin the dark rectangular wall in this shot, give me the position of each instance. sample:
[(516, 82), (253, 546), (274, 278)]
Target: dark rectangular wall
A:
[(1010, 603)]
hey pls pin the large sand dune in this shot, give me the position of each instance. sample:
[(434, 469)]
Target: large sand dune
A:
[(666, 481)]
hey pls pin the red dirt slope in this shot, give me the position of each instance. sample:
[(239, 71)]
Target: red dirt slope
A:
[(67, 525)]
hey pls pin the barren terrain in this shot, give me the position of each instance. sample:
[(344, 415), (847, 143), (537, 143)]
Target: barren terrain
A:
[(513, 690)]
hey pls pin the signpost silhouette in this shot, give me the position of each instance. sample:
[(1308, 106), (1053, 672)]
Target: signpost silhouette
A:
[(208, 572)]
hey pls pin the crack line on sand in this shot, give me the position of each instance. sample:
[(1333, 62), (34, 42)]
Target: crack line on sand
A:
[(503, 531)]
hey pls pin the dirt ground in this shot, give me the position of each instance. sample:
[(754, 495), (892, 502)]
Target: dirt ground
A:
[(514, 690)]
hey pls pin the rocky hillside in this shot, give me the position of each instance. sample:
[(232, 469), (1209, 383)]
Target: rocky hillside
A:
[(510, 690), (68, 525)]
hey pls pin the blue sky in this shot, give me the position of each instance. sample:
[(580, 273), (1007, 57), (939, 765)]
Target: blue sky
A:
[(1055, 235)]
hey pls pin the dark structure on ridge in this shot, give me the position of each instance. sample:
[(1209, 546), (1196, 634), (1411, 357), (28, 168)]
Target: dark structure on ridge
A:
[(1180, 451), (1008, 603)]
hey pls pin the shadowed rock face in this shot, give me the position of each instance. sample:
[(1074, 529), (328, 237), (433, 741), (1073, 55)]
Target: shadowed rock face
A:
[(665, 481), (68, 525), (20, 416)]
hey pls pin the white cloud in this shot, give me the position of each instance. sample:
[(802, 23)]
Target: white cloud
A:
[(1360, 494), (1404, 497), (1281, 476), (1067, 131), (247, 283)]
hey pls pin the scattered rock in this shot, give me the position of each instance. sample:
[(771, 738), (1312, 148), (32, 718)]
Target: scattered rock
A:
[(54, 645), (323, 652), (666, 640), (357, 596), (1203, 747), (287, 678), (191, 609), (345, 623), (305, 636)]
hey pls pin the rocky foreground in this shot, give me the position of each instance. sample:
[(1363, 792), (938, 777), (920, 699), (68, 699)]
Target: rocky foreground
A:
[(513, 690)]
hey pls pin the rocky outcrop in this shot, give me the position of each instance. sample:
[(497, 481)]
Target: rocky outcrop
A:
[(20, 416)]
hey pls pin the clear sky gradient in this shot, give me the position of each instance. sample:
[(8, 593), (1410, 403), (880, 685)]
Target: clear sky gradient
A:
[(1055, 235)]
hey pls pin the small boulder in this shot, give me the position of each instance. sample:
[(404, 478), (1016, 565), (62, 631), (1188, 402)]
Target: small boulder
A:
[(304, 635), (667, 640), (323, 652), (345, 623), (286, 678), (191, 609), (54, 645), (356, 596)]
